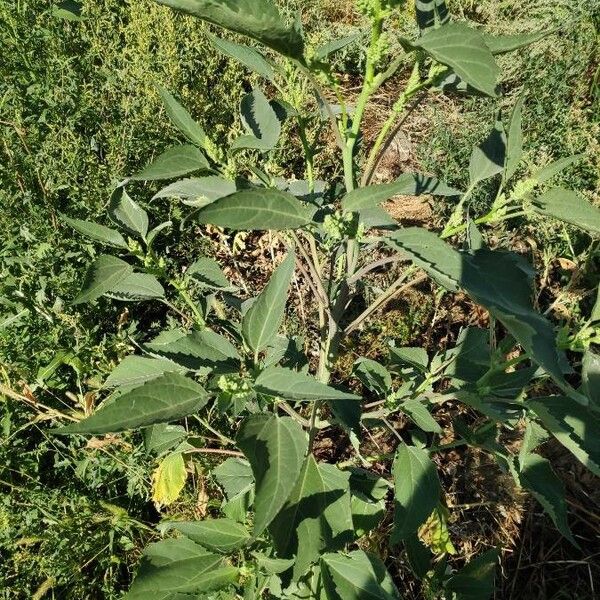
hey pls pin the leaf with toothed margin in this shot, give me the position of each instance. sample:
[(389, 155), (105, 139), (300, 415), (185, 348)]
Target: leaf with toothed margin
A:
[(106, 273)]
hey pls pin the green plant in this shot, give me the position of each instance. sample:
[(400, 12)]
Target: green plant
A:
[(294, 524)]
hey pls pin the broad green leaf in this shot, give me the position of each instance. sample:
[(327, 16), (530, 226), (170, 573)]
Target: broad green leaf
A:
[(489, 157), (417, 490), (182, 119), (471, 355), (316, 516), (475, 581), (234, 476), (218, 535), (69, 10), (573, 425), (174, 162), (537, 476), (272, 566), (137, 286), (420, 415), (412, 357), (500, 281), (590, 377), (419, 556), (357, 576), (207, 272), (279, 381), (554, 168), (136, 370), (275, 447), (177, 566), (96, 232), (258, 19), (106, 273), (263, 319), (501, 44), (166, 398), (168, 480), (162, 437), (257, 210), (198, 191), (431, 13), (535, 435), (326, 50), (260, 120), (569, 207), (408, 184), (373, 376), (514, 139), (463, 49), (249, 57), (197, 349), (367, 502), (127, 213)]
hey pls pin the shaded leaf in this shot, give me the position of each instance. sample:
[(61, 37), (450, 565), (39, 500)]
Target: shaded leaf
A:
[(412, 357), (275, 447), (166, 398), (97, 232), (162, 437), (207, 272), (514, 139), (373, 376), (257, 210), (263, 319), (106, 273), (489, 157), (127, 213), (431, 13), (137, 286), (218, 535), (570, 207), (279, 381), (182, 119), (272, 566), (174, 162), (475, 581), (258, 19), (326, 50), (590, 376), (249, 57), (464, 50), (417, 490), (260, 120)]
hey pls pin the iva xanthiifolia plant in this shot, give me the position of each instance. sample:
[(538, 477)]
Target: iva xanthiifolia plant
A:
[(292, 525)]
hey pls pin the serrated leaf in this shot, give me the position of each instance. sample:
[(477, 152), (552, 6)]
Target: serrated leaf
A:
[(409, 184), (489, 157), (218, 535), (137, 286), (127, 213), (272, 566), (549, 171), (259, 209), (570, 207), (475, 581), (573, 425), (166, 398), (420, 415), (258, 19), (261, 121), (501, 44), (373, 376), (500, 281), (234, 476), (357, 576), (279, 381), (198, 191), (162, 437), (207, 272), (197, 349), (275, 447), (464, 50), (174, 162), (326, 50), (168, 480), (106, 273), (412, 357), (135, 370), (263, 319), (536, 475), (316, 516), (178, 566), (182, 119), (590, 377), (431, 13), (97, 232), (249, 57), (417, 490), (514, 139)]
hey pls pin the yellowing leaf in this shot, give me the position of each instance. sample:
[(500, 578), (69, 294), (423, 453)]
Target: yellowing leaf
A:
[(169, 479), (434, 533)]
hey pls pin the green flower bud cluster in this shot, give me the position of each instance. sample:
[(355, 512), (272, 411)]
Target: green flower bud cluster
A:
[(343, 225), (235, 393), (378, 9)]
